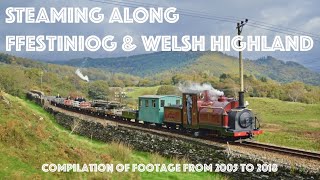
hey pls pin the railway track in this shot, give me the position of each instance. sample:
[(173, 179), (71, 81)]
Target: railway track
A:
[(282, 150), (250, 144)]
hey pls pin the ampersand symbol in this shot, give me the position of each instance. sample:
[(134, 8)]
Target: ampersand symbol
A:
[(127, 44)]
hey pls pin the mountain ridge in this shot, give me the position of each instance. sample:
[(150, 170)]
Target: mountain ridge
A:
[(215, 62)]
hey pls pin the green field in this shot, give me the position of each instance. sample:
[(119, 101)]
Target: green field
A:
[(135, 92), (29, 137), (288, 123)]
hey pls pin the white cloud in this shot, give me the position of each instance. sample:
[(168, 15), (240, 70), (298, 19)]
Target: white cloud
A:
[(313, 25), (281, 15)]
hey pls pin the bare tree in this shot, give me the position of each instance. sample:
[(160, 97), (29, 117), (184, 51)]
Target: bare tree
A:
[(295, 91)]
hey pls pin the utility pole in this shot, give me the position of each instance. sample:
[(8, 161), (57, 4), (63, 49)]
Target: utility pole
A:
[(241, 92), (41, 74)]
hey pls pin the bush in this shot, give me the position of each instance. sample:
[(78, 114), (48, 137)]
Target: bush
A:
[(168, 90)]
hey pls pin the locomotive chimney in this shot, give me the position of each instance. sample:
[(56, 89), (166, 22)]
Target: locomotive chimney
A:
[(241, 99)]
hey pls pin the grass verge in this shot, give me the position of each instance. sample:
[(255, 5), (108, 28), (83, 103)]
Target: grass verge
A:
[(29, 137)]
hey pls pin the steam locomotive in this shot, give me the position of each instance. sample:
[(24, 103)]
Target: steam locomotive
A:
[(223, 116)]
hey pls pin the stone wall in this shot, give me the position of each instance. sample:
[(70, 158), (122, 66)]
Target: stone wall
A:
[(193, 151)]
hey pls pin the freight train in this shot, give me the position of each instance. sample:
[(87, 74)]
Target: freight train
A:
[(194, 112)]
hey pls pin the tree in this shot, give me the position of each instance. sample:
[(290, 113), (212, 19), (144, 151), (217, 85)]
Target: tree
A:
[(295, 90), (117, 83), (263, 79), (33, 73), (13, 81), (167, 90), (144, 82), (229, 86), (176, 79), (98, 90), (166, 81), (312, 96), (224, 76), (205, 74)]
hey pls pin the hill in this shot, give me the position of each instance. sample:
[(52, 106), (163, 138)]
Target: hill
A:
[(20, 74), (215, 63), (140, 65), (29, 137), (164, 65), (61, 70), (285, 71)]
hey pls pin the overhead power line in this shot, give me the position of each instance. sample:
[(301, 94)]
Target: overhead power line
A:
[(232, 18), (280, 31), (180, 11), (229, 19), (260, 23)]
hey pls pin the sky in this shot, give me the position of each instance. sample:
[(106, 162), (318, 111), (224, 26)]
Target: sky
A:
[(302, 16)]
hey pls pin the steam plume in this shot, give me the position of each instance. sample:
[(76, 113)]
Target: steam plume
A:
[(85, 78), (198, 88)]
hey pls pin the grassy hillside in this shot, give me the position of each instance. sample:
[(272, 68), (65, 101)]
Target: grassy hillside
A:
[(283, 71), (135, 92), (287, 123), (215, 63), (60, 70), (29, 137), (218, 63), (140, 65), (20, 73)]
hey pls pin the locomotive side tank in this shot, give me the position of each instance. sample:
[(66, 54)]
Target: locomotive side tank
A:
[(215, 115), (173, 116)]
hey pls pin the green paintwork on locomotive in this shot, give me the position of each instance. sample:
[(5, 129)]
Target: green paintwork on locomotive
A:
[(151, 107), (130, 114)]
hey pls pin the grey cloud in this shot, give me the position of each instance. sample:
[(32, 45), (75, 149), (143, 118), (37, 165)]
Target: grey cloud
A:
[(303, 15)]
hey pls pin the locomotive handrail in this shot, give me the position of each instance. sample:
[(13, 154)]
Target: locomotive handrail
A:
[(257, 120)]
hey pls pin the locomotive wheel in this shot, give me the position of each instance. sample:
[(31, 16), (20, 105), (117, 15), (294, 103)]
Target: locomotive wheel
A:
[(196, 133), (170, 126), (174, 126), (146, 124)]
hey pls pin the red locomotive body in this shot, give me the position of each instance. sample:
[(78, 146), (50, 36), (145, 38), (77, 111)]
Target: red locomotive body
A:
[(172, 115), (221, 116)]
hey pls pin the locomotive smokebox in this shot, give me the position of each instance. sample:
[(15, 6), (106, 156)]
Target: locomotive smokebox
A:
[(241, 99)]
